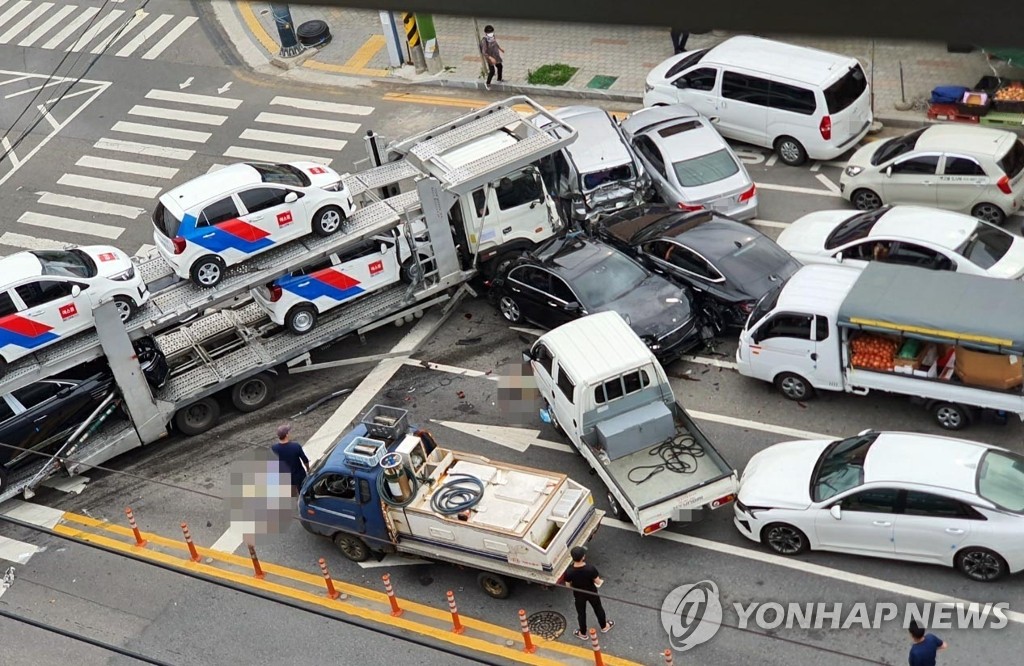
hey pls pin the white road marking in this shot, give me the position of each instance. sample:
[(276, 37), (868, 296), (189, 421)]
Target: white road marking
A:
[(66, 95), (451, 369), (145, 250), (517, 439), (231, 540), (169, 38), (49, 118), (758, 425), (72, 226), (306, 122), (120, 32), (25, 22), (293, 139), (13, 10), (535, 332), (715, 362), (15, 79), (769, 224), (5, 143), (192, 98), (147, 149), (135, 168), (392, 561), (94, 30), (828, 163), (145, 34), (163, 132), (41, 30), (109, 185), (810, 568), (772, 159), (272, 156), (26, 91), (795, 190), (175, 114), (67, 484), (71, 27), (23, 242), (216, 167), (13, 550), (91, 205), (317, 105), (827, 182)]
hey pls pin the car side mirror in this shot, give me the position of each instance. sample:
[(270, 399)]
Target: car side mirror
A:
[(888, 171), (383, 248), (572, 307), (836, 512), (75, 291), (528, 355), (681, 82), (714, 120), (291, 197), (839, 257)]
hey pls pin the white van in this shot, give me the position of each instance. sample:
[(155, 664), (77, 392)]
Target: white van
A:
[(799, 101), (945, 339)]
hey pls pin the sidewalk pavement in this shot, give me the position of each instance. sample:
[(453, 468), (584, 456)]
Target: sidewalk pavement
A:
[(612, 61)]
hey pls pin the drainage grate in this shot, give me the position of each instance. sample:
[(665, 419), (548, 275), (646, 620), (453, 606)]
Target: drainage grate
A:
[(602, 82), (547, 624)]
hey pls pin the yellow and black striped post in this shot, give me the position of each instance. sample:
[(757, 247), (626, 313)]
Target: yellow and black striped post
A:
[(412, 37)]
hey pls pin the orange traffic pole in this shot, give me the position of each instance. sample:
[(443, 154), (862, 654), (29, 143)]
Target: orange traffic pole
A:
[(456, 622), (257, 569), (528, 645), (191, 546), (139, 541), (331, 592), (598, 659), (668, 657), (395, 610)]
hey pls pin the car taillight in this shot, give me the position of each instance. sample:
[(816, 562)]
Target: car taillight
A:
[(651, 529), (1004, 185), (722, 501), (749, 194), (825, 127), (746, 307), (688, 207), (275, 292), (179, 244)]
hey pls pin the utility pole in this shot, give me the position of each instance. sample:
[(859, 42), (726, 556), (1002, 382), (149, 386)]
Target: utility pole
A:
[(428, 36), (290, 46), (412, 36)]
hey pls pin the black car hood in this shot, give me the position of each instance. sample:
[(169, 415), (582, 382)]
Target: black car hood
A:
[(649, 308)]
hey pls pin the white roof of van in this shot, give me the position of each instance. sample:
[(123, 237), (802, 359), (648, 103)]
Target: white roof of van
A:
[(597, 347), (818, 289), (796, 63)]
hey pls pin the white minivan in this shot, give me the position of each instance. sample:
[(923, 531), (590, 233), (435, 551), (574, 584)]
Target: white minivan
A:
[(799, 101)]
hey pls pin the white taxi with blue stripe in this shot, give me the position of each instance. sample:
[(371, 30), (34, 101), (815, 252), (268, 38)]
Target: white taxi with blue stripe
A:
[(228, 216)]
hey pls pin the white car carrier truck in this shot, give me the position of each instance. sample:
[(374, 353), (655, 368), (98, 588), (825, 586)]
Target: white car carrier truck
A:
[(218, 340), (606, 391), (387, 487)]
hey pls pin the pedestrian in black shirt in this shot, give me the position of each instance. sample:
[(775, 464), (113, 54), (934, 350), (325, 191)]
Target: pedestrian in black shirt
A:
[(293, 458), (584, 580)]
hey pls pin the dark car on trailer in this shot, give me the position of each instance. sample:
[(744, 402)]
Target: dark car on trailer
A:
[(571, 277), (727, 264)]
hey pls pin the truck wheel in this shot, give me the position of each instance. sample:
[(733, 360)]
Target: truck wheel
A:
[(301, 319), (250, 394), (198, 417), (352, 547), (614, 504), (952, 416), (494, 586), (794, 386), (784, 539), (500, 265)]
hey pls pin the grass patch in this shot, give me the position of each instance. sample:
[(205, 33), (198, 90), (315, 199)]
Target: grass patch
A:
[(551, 75)]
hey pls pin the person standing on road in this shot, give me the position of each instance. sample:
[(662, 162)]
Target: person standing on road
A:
[(584, 580), (293, 458), (492, 52), (926, 647)]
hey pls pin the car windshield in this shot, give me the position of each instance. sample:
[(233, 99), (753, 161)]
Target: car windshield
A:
[(896, 147), (281, 174), (611, 278), (1013, 161), (987, 245), (764, 306), (855, 228), (706, 169), (165, 221), (841, 466), (847, 90), (691, 59), (1001, 480), (592, 181), (753, 261), (66, 263)]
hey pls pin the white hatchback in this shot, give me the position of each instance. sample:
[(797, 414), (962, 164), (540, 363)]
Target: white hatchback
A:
[(225, 217), (49, 295), (908, 235), (903, 496)]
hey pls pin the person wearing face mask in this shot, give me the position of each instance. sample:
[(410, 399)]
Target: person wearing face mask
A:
[(491, 52)]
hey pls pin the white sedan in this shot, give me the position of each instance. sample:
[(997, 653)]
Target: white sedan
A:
[(909, 235), (959, 504)]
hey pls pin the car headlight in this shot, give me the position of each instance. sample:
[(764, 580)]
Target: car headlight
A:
[(125, 275), (852, 171), (651, 342)]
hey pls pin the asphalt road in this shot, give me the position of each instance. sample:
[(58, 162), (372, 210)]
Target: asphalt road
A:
[(85, 168)]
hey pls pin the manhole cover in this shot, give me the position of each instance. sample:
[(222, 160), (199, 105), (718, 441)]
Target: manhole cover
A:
[(547, 624)]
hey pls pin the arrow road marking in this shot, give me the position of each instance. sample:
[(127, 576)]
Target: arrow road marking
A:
[(187, 82), (224, 88)]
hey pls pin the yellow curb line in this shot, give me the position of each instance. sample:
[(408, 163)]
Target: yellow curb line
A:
[(467, 103), (344, 69), (256, 28), (318, 581)]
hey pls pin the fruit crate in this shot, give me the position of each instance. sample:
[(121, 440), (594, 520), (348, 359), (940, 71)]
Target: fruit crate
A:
[(1003, 119), (949, 112), (992, 84)]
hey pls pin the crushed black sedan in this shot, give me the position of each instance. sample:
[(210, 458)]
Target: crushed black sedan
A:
[(568, 278), (726, 263)]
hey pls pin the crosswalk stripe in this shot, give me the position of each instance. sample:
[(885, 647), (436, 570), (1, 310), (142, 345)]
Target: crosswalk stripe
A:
[(163, 132), (134, 168), (272, 156), (71, 27), (175, 114), (169, 38), (192, 98), (108, 185), (146, 33), (144, 250), (317, 105), (120, 32), (34, 36), (91, 205), (13, 10), (70, 225), (23, 242), (96, 29), (293, 139), (25, 22), (309, 123), (216, 167), (147, 149)]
